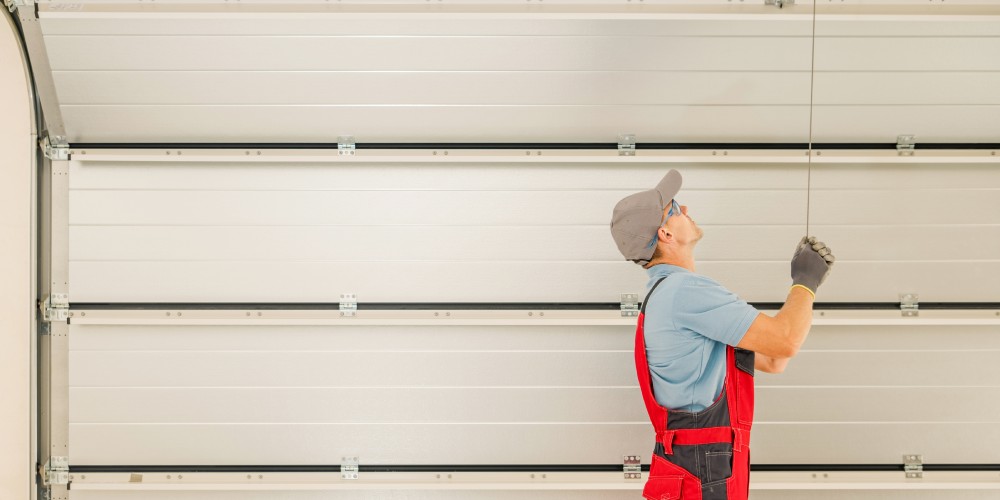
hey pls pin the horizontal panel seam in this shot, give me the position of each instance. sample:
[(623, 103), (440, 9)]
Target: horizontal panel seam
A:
[(805, 105), (803, 71)]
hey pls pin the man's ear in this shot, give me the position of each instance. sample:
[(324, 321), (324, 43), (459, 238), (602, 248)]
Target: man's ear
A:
[(663, 234)]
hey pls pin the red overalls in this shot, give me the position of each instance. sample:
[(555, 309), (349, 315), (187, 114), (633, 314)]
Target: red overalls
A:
[(700, 455)]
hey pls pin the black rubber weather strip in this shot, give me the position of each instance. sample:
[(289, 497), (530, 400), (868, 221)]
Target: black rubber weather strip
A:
[(336, 468), (93, 469), (497, 306)]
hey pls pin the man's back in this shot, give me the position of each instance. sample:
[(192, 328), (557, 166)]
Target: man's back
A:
[(690, 319)]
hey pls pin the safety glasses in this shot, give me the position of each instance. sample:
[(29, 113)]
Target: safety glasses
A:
[(675, 209)]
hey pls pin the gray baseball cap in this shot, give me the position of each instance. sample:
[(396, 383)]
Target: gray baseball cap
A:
[(637, 217)]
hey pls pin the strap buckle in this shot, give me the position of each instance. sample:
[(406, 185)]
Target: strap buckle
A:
[(666, 438), (741, 439)]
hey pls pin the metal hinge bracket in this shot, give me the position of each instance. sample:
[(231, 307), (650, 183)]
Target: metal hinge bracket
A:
[(632, 466), (55, 148), (13, 5), (346, 145), (348, 305), (909, 304), (55, 471), (55, 307), (630, 305), (913, 465), (626, 145), (779, 3), (349, 468), (906, 144)]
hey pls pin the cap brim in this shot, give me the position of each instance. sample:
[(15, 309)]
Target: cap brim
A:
[(669, 186)]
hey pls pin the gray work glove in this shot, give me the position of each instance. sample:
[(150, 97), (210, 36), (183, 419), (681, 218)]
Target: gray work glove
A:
[(811, 263)]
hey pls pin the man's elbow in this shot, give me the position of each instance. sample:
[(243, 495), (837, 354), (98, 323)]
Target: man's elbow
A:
[(777, 366), (788, 347), (768, 364), (789, 350)]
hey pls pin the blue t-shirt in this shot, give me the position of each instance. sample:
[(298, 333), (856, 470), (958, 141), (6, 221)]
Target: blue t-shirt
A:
[(690, 319)]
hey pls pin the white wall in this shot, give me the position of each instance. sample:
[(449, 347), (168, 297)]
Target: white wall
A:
[(15, 269)]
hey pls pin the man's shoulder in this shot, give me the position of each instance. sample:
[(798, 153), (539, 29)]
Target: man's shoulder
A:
[(687, 285), (694, 279), (696, 291)]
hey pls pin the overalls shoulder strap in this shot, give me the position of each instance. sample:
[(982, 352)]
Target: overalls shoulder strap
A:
[(657, 414)]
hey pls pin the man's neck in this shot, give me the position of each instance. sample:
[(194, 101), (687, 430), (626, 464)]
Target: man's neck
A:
[(683, 263)]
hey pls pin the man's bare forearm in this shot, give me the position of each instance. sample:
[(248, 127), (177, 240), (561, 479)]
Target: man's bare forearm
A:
[(796, 314)]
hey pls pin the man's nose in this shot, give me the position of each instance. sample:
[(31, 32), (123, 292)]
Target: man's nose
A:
[(684, 209)]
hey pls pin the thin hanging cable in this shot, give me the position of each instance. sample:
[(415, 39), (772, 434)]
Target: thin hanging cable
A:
[(809, 153)]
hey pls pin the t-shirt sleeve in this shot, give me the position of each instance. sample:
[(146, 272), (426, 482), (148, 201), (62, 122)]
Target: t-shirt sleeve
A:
[(707, 308)]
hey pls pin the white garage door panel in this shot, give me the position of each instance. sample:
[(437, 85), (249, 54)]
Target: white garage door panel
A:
[(949, 53), (325, 281), (308, 395), (907, 206), (469, 243), (943, 95), (518, 88), (883, 281), (318, 24), (511, 405), (905, 243), (465, 338), (896, 337), (378, 207), (889, 368), (502, 282), (325, 368), (497, 244), (526, 208), (904, 88), (290, 405), (432, 53), (537, 221), (922, 72), (858, 443), (977, 21), (882, 124), (444, 88), (470, 232), (653, 123), (348, 337), (298, 444), (905, 176), (959, 405), (460, 176), (249, 124)]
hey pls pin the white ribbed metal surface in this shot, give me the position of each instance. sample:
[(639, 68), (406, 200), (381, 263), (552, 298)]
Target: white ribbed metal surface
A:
[(477, 232), (501, 71), (287, 395), (152, 228)]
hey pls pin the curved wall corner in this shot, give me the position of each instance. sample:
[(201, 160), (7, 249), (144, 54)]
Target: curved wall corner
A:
[(17, 146)]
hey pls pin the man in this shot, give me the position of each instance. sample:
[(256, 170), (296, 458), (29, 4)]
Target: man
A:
[(698, 344)]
